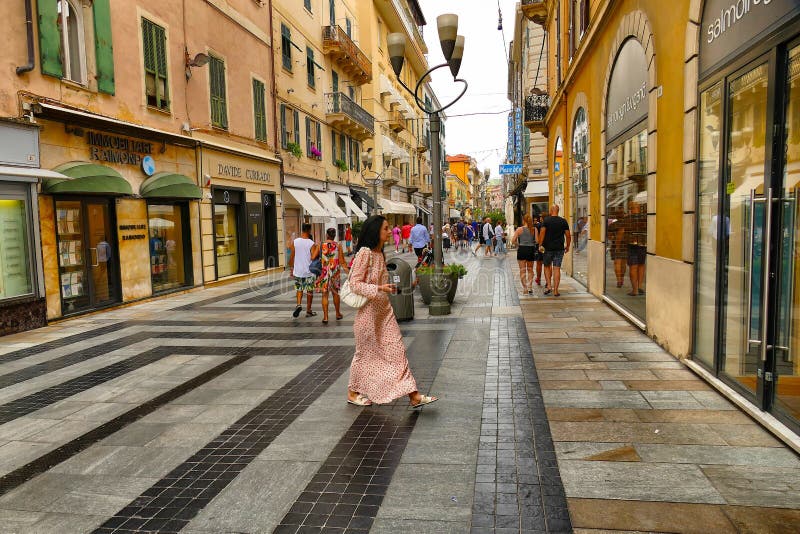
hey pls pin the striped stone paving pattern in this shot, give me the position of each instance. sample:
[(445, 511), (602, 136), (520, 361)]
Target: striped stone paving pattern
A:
[(215, 411)]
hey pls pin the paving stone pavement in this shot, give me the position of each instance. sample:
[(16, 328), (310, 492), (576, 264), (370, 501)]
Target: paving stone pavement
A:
[(215, 411), (642, 443)]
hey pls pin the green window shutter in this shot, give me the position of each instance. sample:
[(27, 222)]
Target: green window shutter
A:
[(319, 137), (103, 46), (333, 147), (219, 106), (259, 111), (154, 46), (49, 38), (284, 135), (335, 81), (296, 126), (310, 66), (286, 47), (343, 147), (307, 4), (308, 136)]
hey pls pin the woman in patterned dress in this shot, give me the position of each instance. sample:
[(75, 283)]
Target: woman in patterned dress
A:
[(379, 372), (330, 280)]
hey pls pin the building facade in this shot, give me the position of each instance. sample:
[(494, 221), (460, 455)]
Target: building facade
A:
[(677, 174), (461, 173), (153, 162)]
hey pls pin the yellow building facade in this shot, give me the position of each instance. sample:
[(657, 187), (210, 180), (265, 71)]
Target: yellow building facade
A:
[(659, 121)]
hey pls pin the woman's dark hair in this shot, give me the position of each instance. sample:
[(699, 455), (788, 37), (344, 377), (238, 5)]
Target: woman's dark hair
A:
[(370, 236), (331, 233)]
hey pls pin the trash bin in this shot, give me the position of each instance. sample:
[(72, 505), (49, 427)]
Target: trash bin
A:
[(402, 301)]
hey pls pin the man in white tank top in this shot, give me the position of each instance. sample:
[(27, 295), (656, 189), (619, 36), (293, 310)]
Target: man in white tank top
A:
[(303, 250)]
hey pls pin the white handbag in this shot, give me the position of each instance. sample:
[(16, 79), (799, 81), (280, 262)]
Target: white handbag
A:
[(354, 300)]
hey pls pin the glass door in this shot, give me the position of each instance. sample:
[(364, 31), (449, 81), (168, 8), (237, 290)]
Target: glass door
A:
[(741, 229), (102, 265), (786, 366)]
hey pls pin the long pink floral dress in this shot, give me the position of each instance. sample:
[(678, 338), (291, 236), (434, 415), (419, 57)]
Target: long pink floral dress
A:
[(380, 368)]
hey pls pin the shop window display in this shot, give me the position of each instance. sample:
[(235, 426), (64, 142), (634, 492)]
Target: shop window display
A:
[(15, 269), (166, 239), (626, 214), (227, 239)]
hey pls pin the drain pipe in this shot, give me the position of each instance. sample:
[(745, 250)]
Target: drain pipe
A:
[(29, 28)]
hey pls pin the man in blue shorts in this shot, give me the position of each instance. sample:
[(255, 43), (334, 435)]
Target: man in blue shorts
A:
[(554, 232)]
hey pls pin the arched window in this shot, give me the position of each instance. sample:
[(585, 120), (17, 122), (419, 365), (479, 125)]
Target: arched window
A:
[(580, 196), (73, 53)]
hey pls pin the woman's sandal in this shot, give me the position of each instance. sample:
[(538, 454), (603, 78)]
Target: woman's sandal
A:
[(339, 317), (311, 313), (361, 400), (424, 399)]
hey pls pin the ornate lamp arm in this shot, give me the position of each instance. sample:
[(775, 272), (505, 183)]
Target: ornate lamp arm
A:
[(415, 92)]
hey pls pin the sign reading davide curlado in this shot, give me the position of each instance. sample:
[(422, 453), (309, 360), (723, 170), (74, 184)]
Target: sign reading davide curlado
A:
[(114, 149)]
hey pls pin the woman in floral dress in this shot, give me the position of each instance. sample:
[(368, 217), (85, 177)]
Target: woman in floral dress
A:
[(330, 280), (379, 372)]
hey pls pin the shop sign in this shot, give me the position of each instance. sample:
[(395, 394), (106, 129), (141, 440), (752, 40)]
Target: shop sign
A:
[(731, 25), (136, 229), (255, 224), (228, 170), (627, 90), (114, 149)]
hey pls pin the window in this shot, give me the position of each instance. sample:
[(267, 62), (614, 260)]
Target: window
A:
[(584, 16), (259, 110), (73, 54), (313, 137), (296, 126), (380, 34), (580, 196), (558, 44), (349, 27), (284, 130), (154, 45), (15, 260), (310, 66), (219, 104), (307, 4), (355, 165), (286, 47), (333, 147), (332, 10), (343, 147), (335, 81)]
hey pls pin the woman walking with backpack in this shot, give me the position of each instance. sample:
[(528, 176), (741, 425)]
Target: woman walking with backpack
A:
[(379, 372)]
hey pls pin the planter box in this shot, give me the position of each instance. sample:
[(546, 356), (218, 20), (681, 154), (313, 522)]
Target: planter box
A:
[(426, 289)]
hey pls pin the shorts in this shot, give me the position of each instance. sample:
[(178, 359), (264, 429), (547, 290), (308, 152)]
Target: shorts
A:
[(526, 253), (553, 257), (307, 284), (418, 252), (636, 254), (348, 243)]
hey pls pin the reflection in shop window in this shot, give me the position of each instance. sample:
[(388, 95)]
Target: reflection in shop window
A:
[(580, 196), (15, 271), (626, 213), (227, 236)]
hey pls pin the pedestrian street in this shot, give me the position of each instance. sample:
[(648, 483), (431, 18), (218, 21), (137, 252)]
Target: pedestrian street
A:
[(215, 411)]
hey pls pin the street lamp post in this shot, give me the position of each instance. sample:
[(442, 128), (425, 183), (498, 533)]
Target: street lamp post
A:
[(371, 177), (453, 50)]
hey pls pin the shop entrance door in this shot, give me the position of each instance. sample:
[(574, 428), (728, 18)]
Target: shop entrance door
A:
[(86, 255), (756, 232)]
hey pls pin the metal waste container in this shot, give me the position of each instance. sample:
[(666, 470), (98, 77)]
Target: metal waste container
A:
[(402, 301)]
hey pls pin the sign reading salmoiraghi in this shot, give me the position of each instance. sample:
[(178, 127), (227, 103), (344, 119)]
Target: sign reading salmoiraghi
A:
[(627, 90), (114, 149), (731, 26)]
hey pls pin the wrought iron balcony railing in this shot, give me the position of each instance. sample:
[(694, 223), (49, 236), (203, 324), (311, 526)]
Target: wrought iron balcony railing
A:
[(351, 114), (347, 54), (536, 108)]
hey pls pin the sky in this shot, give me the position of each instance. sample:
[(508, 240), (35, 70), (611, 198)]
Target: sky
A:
[(484, 67)]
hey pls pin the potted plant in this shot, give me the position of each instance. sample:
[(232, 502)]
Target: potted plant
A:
[(451, 275), (294, 149), (341, 165), (314, 153)]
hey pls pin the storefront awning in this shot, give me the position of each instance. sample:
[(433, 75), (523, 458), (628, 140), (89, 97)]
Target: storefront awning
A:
[(170, 185), (397, 208), (537, 188), (354, 210), (311, 206), (87, 178), (364, 197), (29, 174), (424, 209), (328, 201)]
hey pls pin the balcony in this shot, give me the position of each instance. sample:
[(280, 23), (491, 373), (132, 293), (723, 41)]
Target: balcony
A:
[(535, 11), (396, 121), (391, 176), (346, 54), (536, 108), (344, 114)]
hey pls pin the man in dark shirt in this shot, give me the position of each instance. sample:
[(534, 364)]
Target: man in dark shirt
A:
[(555, 230)]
